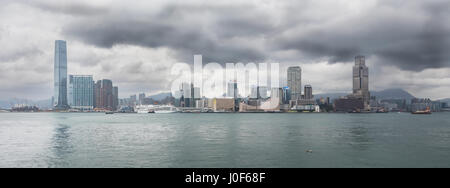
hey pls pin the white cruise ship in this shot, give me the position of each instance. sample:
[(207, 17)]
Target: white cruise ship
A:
[(145, 109), (165, 110)]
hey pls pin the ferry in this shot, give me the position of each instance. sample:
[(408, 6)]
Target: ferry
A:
[(427, 111)]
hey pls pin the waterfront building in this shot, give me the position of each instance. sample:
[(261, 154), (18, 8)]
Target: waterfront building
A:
[(277, 94), (133, 100), (141, 98), (349, 104), (262, 92), (222, 105), (361, 80), (286, 95), (115, 97), (60, 76), (81, 92), (308, 92), (232, 90), (106, 96), (254, 92), (187, 99), (294, 82)]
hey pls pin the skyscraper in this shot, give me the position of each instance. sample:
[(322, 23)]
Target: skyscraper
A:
[(308, 92), (361, 79), (115, 97), (141, 98), (81, 92), (106, 96), (232, 90), (188, 94), (60, 75), (294, 81)]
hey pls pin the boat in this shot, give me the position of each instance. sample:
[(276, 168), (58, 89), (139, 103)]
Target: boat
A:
[(165, 110), (109, 112), (427, 111), (145, 109)]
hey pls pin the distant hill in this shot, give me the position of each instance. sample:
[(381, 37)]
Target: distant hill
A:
[(393, 94), (385, 94), (331, 95), (160, 96), (43, 104)]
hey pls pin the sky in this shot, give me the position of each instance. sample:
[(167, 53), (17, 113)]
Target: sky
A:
[(136, 43)]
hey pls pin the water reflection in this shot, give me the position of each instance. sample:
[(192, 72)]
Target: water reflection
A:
[(359, 138), (61, 145), (359, 133)]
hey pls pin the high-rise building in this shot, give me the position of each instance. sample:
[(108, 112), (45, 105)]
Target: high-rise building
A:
[(286, 95), (308, 92), (294, 81), (141, 98), (133, 100), (254, 92), (81, 92), (188, 91), (106, 96), (262, 92), (232, 90), (197, 94), (361, 80), (60, 75), (115, 98)]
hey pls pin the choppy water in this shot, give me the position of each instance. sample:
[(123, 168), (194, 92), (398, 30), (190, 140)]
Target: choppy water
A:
[(224, 140)]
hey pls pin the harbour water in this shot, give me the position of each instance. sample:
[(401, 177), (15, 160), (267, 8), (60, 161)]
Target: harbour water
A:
[(224, 140)]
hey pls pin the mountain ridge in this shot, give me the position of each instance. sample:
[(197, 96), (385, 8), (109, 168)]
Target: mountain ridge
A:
[(393, 93)]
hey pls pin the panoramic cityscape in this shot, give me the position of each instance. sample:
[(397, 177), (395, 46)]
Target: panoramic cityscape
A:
[(80, 93), (247, 85)]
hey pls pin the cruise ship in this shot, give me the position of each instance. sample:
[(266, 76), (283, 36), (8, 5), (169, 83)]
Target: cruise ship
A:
[(145, 109), (165, 110)]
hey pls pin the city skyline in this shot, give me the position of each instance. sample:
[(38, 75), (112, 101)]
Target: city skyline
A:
[(406, 53)]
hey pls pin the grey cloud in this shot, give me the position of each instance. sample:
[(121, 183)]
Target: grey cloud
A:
[(20, 53), (67, 7), (413, 35), (406, 41), (207, 36)]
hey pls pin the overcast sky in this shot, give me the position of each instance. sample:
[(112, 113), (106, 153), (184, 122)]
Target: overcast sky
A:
[(135, 43)]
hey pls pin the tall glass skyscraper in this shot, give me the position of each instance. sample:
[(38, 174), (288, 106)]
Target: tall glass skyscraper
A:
[(81, 92), (294, 82), (60, 75), (361, 79)]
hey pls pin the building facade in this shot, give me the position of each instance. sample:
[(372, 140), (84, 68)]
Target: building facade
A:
[(361, 80), (106, 96), (349, 105), (308, 92), (60, 76), (294, 82), (81, 92), (232, 90)]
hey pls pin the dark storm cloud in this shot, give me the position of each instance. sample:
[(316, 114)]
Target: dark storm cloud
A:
[(412, 35), (392, 31), (216, 37)]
